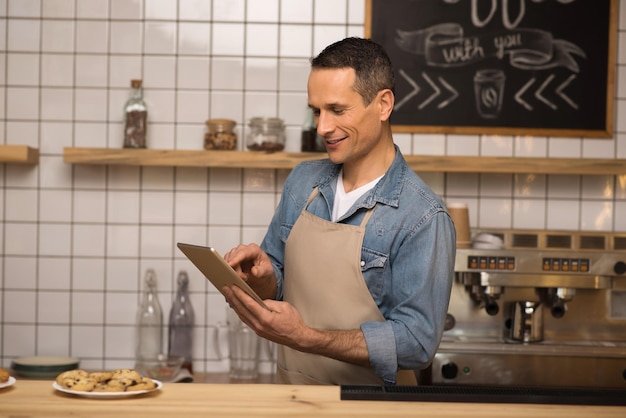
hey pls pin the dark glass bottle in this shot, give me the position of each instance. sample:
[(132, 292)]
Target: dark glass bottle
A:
[(181, 324), (309, 132), (311, 141), (135, 118), (149, 321)]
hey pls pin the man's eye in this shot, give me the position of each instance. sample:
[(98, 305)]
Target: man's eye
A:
[(337, 111)]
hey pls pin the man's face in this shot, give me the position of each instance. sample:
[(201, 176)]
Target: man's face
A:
[(350, 129)]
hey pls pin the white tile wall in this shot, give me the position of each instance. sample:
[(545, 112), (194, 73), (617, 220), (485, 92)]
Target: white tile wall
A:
[(496, 146), (296, 12), (75, 241), (528, 146)]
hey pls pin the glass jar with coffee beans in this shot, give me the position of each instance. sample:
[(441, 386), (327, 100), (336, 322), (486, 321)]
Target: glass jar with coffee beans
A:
[(220, 134)]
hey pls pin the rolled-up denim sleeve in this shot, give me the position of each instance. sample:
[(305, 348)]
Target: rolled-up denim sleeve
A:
[(380, 341), (416, 302)]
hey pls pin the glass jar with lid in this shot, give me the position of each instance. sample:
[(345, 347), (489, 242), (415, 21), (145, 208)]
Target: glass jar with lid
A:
[(220, 134), (266, 134)]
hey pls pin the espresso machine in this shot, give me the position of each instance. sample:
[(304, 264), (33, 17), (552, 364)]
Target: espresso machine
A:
[(536, 308)]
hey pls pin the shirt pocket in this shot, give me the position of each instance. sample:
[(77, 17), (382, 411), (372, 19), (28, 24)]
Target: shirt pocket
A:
[(372, 268)]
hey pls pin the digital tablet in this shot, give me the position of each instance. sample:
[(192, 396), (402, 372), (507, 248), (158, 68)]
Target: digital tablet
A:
[(216, 269)]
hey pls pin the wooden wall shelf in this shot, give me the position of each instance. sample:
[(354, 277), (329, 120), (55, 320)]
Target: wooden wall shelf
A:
[(285, 160), (18, 154)]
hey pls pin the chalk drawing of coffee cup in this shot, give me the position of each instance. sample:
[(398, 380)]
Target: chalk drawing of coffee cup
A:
[(489, 90)]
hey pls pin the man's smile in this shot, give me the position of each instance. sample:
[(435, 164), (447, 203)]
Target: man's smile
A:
[(333, 141)]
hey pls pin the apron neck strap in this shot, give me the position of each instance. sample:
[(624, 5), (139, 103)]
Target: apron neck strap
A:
[(367, 216), (311, 197)]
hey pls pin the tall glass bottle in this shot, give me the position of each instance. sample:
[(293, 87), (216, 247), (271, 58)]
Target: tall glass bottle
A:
[(149, 320), (181, 323), (135, 118)]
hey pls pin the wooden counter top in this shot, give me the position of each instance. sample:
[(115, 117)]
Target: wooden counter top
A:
[(37, 398)]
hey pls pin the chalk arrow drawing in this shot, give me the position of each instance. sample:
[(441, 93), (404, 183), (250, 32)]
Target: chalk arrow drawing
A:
[(559, 91), (518, 95), (437, 91), (412, 93), (541, 89), (432, 96), (540, 97), (450, 99)]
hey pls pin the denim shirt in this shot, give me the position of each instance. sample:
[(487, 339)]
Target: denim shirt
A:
[(407, 257)]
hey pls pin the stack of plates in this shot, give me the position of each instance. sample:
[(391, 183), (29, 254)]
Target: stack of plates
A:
[(43, 367)]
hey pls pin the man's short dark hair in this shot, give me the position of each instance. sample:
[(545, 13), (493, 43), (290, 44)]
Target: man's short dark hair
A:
[(369, 60)]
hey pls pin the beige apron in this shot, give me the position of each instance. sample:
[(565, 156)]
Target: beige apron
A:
[(325, 284)]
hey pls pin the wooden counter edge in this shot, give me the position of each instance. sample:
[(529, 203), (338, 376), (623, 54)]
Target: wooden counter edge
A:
[(265, 400)]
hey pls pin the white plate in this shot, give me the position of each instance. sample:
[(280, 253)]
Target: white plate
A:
[(106, 395), (8, 383)]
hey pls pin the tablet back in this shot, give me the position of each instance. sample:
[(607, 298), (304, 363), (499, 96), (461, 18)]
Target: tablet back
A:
[(216, 269)]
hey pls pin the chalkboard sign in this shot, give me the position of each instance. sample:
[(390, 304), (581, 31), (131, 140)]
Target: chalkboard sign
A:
[(513, 67)]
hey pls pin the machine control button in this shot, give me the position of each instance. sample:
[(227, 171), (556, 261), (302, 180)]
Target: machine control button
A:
[(482, 263), (584, 265), (449, 370), (620, 267), (510, 263), (472, 262), (501, 263)]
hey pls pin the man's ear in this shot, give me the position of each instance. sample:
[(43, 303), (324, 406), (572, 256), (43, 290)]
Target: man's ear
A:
[(386, 100)]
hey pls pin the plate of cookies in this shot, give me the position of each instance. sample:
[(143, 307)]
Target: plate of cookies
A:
[(9, 382), (115, 384), (6, 379)]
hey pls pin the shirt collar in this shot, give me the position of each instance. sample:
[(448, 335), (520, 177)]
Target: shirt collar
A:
[(388, 189)]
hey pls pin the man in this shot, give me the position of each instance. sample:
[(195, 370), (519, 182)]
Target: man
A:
[(358, 260)]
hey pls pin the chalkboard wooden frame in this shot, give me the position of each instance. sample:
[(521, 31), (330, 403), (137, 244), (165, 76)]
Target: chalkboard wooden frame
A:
[(380, 28)]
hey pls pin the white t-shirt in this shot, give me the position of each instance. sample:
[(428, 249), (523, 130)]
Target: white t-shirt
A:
[(343, 200)]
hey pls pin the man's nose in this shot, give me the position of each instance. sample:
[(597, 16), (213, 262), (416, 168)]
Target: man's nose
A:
[(324, 123)]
